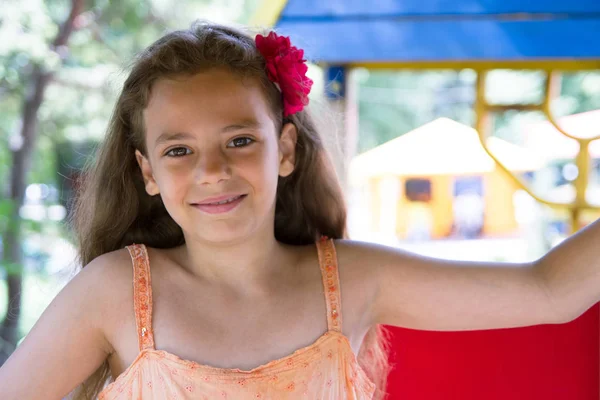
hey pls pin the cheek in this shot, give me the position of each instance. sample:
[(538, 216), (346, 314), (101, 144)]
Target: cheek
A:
[(173, 181), (263, 163), (269, 170)]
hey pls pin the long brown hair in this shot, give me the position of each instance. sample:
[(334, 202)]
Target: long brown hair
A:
[(113, 184)]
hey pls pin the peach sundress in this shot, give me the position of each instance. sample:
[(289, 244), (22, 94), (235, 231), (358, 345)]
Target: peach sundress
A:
[(326, 369)]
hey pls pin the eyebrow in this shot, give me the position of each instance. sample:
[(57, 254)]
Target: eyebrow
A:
[(172, 136)]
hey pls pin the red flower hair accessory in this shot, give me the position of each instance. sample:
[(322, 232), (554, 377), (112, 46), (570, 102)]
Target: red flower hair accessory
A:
[(287, 69)]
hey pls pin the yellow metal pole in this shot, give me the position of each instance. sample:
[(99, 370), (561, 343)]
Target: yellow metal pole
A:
[(582, 160), (481, 126), (552, 90)]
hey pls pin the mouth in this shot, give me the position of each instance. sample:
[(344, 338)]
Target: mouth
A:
[(221, 206)]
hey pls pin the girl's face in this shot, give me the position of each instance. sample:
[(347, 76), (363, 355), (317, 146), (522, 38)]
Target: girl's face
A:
[(212, 135)]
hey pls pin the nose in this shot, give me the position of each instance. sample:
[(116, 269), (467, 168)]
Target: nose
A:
[(213, 167)]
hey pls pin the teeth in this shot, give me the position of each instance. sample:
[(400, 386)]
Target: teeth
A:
[(225, 201)]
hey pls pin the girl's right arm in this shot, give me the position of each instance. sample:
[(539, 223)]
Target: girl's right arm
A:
[(67, 344)]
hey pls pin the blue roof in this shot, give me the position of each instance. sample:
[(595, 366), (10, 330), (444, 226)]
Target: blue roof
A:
[(359, 31)]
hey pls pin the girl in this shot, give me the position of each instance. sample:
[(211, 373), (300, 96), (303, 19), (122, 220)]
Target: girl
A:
[(212, 230)]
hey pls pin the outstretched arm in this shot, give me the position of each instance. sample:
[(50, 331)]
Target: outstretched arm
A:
[(426, 293)]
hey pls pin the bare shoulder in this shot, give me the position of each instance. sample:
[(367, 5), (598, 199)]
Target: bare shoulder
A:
[(113, 267), (364, 252), (109, 274), (359, 260), (352, 247), (358, 279), (112, 275), (106, 282)]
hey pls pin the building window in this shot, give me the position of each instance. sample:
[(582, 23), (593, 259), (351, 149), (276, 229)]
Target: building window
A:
[(418, 190)]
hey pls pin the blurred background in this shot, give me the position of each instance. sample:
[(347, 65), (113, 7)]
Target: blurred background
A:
[(461, 131)]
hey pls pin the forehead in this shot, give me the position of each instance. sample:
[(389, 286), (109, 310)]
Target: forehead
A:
[(208, 100)]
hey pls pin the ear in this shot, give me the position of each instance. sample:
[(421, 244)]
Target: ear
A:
[(146, 168), (287, 149)]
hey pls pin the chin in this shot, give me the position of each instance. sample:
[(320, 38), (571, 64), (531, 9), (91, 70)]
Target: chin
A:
[(229, 234)]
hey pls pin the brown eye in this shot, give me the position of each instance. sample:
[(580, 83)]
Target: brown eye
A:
[(241, 141), (177, 152)]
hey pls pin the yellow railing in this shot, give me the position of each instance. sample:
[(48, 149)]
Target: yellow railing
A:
[(582, 160)]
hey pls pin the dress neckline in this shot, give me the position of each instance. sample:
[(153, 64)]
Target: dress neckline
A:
[(268, 368)]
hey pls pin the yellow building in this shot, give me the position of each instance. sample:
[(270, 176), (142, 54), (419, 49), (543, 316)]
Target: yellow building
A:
[(413, 179)]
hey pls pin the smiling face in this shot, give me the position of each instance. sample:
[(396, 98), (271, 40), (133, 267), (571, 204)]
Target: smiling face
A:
[(212, 135)]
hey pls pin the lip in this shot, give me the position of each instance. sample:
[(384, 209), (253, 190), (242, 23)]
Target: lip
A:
[(220, 208), (219, 198)]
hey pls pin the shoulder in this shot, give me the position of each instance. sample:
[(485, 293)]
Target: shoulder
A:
[(104, 271), (113, 267), (371, 256), (361, 259), (358, 274), (368, 261), (354, 252), (375, 262), (107, 282)]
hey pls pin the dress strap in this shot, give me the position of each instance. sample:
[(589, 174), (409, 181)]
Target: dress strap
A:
[(331, 282), (142, 295)]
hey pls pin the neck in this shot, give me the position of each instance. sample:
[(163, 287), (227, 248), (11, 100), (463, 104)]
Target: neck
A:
[(248, 266)]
